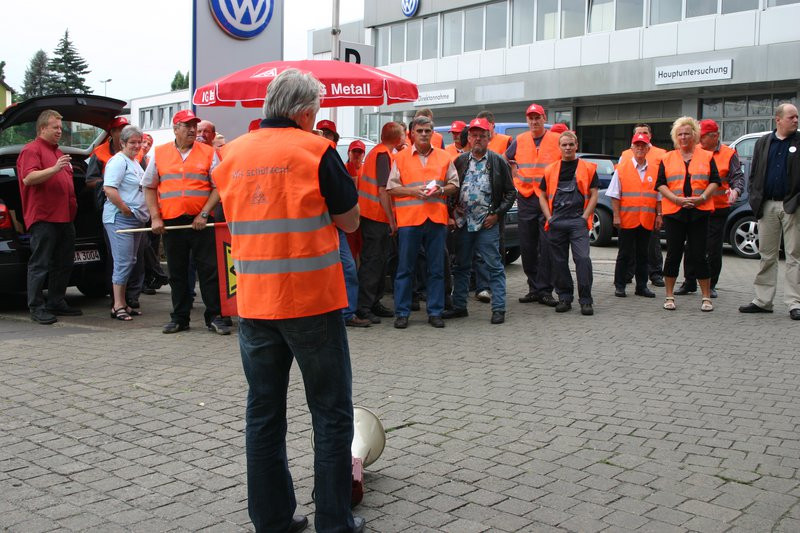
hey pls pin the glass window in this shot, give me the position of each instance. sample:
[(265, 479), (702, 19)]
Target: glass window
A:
[(430, 38), (762, 124), (662, 11), (547, 20), (572, 18), (473, 29), (732, 6), (496, 25), (759, 105), (773, 3), (712, 108), (733, 129), (736, 107), (451, 33), (382, 46), (698, 8), (522, 22), (784, 99), (398, 42), (601, 15), (413, 39), (630, 14)]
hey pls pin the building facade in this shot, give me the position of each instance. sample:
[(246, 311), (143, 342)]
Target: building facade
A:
[(153, 114), (600, 66)]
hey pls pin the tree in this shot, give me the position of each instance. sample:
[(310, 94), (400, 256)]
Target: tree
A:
[(180, 81), (2, 68), (37, 77), (68, 69)]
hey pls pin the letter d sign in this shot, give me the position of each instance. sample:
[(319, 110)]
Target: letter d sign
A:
[(351, 55), (363, 54)]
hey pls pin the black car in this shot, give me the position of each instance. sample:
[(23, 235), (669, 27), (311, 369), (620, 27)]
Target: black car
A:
[(85, 117)]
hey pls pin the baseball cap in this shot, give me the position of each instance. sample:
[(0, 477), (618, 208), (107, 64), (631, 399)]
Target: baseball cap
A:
[(326, 125), (708, 126), (147, 136), (535, 108), (457, 126), (640, 138), (118, 122), (481, 123), (357, 145), (559, 128), (184, 115)]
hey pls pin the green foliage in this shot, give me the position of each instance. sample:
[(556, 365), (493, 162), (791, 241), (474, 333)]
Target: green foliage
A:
[(68, 69), (180, 81), (37, 77)]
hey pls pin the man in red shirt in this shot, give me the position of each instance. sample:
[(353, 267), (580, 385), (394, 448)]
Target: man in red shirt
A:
[(49, 207)]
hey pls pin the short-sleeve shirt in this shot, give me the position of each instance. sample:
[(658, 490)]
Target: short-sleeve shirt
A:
[(475, 195), (53, 200), (125, 175)]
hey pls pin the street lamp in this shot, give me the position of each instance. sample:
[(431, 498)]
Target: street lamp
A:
[(105, 86)]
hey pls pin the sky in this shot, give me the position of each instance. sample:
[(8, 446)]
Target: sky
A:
[(139, 48)]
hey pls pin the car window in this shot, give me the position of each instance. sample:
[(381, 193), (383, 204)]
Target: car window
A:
[(745, 148), (604, 166), (74, 134), (516, 130)]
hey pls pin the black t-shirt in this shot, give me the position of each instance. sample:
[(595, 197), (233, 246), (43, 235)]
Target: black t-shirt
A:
[(335, 183), (569, 200)]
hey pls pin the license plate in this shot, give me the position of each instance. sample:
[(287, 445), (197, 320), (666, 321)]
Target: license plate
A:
[(86, 256)]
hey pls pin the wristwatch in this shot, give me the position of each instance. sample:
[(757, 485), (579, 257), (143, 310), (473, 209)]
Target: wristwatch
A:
[(204, 214)]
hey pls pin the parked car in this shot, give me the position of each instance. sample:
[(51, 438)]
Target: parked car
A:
[(506, 128), (741, 229), (344, 144), (85, 117)]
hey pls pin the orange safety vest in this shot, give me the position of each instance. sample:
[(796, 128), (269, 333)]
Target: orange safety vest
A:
[(453, 151), (637, 199), (532, 161), (183, 186), (583, 176), (103, 154), (437, 141), (369, 202), (499, 143), (284, 245), (675, 170), (413, 211), (723, 160), (654, 152), (351, 169)]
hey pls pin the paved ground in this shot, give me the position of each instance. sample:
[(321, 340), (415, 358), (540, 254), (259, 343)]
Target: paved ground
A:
[(635, 419)]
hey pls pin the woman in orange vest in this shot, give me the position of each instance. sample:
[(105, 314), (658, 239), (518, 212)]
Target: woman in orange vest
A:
[(355, 167), (687, 179)]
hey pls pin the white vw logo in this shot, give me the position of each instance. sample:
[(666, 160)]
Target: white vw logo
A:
[(409, 7), (240, 8)]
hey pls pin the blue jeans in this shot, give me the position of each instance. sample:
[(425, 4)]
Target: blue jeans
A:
[(124, 246), (350, 276), (487, 243), (319, 343), (432, 236)]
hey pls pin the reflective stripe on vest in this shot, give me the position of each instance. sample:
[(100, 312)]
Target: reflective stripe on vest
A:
[(583, 177), (412, 211), (533, 161), (284, 245), (723, 160), (369, 202), (675, 171), (638, 200), (184, 184)]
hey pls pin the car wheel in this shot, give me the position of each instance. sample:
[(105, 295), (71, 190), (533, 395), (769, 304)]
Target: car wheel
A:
[(512, 254), (744, 237), (602, 228)]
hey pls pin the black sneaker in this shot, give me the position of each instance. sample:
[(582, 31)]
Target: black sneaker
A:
[(368, 315), (528, 298), (219, 327), (436, 321), (563, 307), (174, 327), (548, 300), (657, 281), (401, 322), (133, 303), (64, 310), (685, 289), (455, 313), (498, 317), (44, 317), (587, 309), (382, 311)]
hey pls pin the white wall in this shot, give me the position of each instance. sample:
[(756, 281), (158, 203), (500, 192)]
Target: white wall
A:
[(160, 136)]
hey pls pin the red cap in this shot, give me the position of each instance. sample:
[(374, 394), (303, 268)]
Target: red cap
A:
[(481, 123), (118, 122), (254, 125), (559, 128), (535, 108), (708, 126), (357, 145), (147, 136), (184, 115), (457, 126), (640, 138), (326, 125)]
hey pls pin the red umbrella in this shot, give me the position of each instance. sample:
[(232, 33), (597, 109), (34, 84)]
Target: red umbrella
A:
[(344, 84)]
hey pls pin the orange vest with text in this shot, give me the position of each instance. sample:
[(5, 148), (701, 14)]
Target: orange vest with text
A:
[(583, 177), (532, 161), (699, 171), (369, 202), (183, 186), (637, 199), (284, 244), (413, 211), (499, 143), (723, 160)]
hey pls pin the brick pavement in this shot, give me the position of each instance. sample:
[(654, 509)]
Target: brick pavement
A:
[(635, 419)]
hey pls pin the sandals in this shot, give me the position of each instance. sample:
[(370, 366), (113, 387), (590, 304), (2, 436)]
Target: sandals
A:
[(669, 303), (133, 312), (121, 314), (707, 305)]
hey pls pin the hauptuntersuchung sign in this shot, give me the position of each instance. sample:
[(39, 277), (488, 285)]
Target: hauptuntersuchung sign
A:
[(694, 72)]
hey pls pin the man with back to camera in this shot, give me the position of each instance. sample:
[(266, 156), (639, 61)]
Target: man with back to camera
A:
[(284, 250), (774, 196)]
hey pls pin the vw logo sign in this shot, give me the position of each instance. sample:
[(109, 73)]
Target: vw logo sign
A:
[(409, 7), (243, 19)]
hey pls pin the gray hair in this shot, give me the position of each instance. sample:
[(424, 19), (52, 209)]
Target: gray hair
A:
[(129, 131), (292, 92), (781, 109), (421, 120)]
